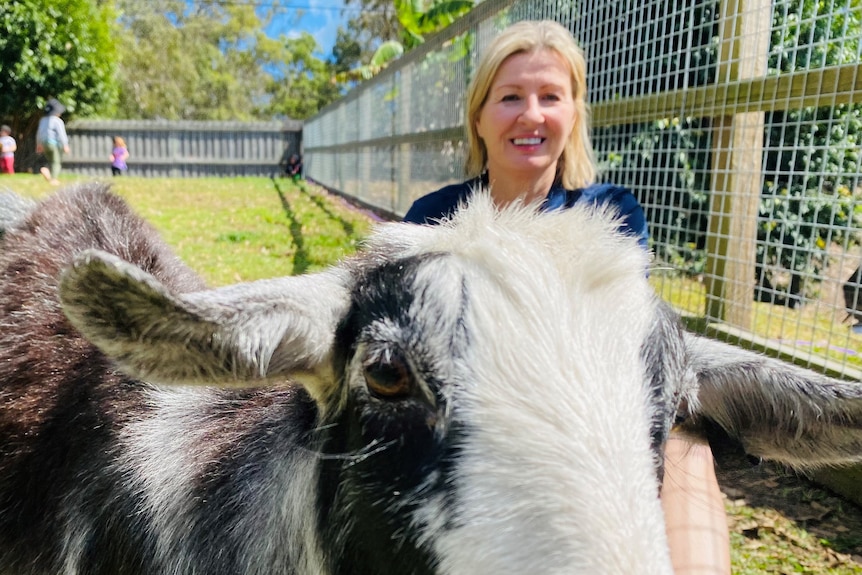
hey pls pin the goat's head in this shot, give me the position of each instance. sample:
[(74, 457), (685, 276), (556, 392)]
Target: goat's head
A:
[(479, 383), (492, 393)]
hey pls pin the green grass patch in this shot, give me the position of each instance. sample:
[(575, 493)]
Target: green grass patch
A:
[(235, 229), (811, 329)]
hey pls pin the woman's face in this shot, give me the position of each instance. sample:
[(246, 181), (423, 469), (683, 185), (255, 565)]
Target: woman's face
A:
[(528, 116)]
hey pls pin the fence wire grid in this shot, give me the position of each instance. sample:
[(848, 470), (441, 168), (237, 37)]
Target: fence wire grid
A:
[(736, 124)]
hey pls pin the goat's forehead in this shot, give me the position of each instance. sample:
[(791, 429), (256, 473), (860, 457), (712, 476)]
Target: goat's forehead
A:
[(409, 299), (547, 378), (506, 307), (512, 289), (524, 266)]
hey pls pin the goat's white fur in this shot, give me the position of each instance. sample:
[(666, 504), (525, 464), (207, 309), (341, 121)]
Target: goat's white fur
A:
[(543, 356)]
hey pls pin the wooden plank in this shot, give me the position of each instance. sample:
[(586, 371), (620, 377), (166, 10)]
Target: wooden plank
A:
[(810, 88)]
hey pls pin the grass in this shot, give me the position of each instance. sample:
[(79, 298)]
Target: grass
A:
[(235, 229), (764, 541), (814, 331)]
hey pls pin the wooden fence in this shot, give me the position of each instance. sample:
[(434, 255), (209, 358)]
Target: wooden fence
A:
[(160, 148)]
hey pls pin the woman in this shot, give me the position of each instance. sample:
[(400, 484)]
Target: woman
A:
[(528, 139)]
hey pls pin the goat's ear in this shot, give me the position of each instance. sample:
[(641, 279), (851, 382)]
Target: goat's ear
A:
[(235, 334), (778, 411)]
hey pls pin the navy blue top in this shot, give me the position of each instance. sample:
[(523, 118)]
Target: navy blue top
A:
[(431, 208)]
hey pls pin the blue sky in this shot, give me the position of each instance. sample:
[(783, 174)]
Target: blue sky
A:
[(320, 18)]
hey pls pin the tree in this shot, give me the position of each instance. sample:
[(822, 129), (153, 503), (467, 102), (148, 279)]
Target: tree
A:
[(54, 48), (375, 22), (211, 60), (385, 53), (302, 83), (346, 52), (422, 17), (417, 18), (199, 60)]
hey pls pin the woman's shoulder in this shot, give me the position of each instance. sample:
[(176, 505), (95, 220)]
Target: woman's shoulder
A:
[(605, 191), (623, 200), (439, 204)]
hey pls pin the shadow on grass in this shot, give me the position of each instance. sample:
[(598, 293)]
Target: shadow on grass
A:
[(319, 201), (300, 258), (771, 488)]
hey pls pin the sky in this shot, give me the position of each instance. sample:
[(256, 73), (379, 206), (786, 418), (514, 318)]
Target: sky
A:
[(320, 18)]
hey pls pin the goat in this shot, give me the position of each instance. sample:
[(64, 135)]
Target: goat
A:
[(490, 395), (13, 208)]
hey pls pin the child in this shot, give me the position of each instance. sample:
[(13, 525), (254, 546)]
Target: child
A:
[(7, 150), (118, 157), (294, 168)]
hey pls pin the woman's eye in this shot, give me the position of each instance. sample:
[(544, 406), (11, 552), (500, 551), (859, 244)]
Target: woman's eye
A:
[(388, 378), (509, 98), (551, 97)]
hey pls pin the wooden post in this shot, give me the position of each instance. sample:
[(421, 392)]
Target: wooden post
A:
[(737, 156)]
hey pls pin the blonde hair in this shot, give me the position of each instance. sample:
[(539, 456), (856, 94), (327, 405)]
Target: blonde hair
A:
[(576, 166), (119, 142)]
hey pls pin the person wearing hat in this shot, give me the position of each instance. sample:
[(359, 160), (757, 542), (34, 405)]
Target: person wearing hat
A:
[(51, 140)]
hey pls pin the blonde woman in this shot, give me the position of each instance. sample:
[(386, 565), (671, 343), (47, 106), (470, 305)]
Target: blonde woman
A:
[(528, 139)]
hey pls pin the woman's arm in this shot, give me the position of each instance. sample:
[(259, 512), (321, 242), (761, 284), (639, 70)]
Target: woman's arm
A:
[(694, 511)]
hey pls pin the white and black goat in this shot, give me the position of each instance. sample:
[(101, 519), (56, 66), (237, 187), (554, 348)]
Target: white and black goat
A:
[(490, 395)]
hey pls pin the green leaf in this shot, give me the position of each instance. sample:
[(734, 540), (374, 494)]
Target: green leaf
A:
[(386, 53)]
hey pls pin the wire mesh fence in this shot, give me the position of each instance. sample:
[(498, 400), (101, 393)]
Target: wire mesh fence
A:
[(736, 124)]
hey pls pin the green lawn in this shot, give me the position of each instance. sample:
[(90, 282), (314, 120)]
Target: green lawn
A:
[(235, 229)]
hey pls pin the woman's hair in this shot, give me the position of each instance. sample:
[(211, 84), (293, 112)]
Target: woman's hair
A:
[(119, 142), (576, 166)]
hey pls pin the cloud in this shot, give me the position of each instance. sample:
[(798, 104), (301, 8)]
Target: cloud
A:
[(321, 19)]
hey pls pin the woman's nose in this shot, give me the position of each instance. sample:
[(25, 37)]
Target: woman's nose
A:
[(532, 111)]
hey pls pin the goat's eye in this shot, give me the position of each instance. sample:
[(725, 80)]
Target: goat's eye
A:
[(388, 378)]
